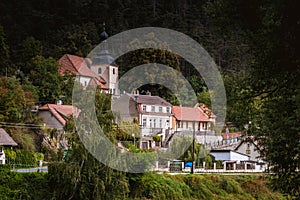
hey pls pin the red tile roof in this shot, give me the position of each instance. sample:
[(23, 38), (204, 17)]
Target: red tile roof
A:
[(189, 114), (231, 135), (78, 66), (61, 112), (205, 110), (5, 139)]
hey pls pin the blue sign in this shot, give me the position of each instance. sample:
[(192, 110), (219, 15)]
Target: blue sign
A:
[(188, 164)]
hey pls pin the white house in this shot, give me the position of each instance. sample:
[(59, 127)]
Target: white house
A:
[(250, 147), (152, 113), (229, 155), (5, 141), (232, 160)]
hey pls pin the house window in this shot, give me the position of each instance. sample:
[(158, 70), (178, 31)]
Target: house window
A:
[(160, 109), (144, 108), (152, 108), (114, 70), (186, 124), (154, 123), (150, 123), (85, 83), (248, 151), (160, 123), (1, 149), (144, 122), (99, 70), (168, 109)]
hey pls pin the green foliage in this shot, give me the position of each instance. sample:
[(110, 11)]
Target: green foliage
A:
[(22, 157), (30, 48), (14, 101), (5, 64), (126, 129), (23, 185), (153, 186), (44, 75), (156, 138)]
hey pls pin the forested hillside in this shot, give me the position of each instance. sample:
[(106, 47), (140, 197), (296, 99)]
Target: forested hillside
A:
[(255, 44)]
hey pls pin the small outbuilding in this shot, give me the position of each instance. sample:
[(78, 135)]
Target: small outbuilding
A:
[(5, 141)]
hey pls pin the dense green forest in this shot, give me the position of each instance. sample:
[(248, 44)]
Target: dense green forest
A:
[(255, 44)]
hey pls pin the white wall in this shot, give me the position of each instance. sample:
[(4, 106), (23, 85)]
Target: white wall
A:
[(254, 154), (237, 156), (153, 118), (229, 156), (2, 155), (84, 81), (221, 155)]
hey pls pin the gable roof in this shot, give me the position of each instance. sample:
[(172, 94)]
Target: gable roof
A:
[(189, 114), (205, 110), (78, 66), (61, 112), (251, 140), (149, 100), (5, 139)]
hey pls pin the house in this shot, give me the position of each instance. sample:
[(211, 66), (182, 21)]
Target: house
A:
[(207, 112), (244, 146), (249, 146), (99, 70), (5, 141), (56, 115), (189, 119), (229, 155), (152, 113), (232, 160), (199, 119)]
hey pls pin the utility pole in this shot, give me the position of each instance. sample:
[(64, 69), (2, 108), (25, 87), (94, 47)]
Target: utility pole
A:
[(193, 148)]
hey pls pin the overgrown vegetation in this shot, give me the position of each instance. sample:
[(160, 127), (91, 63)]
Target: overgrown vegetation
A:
[(147, 186)]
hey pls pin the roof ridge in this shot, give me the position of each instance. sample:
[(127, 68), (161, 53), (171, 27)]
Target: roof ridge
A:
[(68, 56)]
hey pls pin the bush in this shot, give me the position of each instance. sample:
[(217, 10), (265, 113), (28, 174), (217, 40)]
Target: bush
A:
[(22, 157)]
